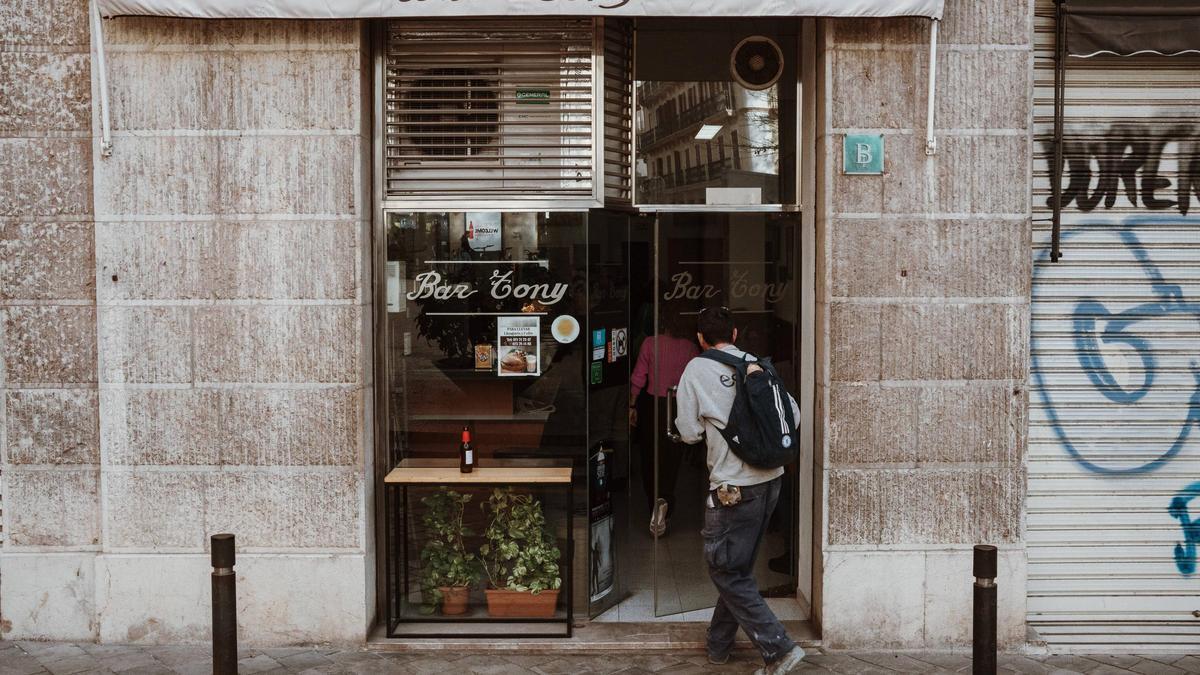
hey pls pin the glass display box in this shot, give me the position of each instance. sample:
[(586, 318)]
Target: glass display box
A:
[(480, 554)]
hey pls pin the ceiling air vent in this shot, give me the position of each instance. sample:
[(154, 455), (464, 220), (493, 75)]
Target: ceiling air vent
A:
[(756, 62)]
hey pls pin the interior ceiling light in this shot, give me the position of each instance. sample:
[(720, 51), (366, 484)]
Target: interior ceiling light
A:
[(708, 132)]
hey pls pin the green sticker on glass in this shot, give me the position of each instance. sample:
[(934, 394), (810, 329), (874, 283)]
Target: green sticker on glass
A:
[(597, 372), (534, 96)]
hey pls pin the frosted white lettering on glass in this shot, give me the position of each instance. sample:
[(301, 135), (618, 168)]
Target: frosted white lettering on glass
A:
[(430, 285), (684, 287), (547, 294)]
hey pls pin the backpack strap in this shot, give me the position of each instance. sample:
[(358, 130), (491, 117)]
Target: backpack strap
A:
[(726, 358)]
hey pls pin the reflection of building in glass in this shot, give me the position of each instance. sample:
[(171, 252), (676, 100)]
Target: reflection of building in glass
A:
[(699, 135)]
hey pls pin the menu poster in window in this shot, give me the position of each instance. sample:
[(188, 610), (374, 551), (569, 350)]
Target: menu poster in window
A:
[(518, 346), (483, 231)]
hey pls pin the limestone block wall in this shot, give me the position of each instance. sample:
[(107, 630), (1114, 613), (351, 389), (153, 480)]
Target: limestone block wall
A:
[(923, 306), (198, 360), (49, 433), (233, 329)]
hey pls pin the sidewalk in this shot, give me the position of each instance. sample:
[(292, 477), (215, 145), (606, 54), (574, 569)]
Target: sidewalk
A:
[(27, 658)]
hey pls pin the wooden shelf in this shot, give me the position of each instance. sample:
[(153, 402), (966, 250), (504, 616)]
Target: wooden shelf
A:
[(499, 473)]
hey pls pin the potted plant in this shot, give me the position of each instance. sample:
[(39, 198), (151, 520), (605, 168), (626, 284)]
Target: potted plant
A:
[(519, 556), (447, 570)]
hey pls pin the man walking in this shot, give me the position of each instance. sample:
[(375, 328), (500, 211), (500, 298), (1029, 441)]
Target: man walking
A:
[(740, 502)]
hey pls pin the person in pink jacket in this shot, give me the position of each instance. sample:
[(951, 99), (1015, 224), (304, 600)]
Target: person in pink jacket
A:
[(660, 362)]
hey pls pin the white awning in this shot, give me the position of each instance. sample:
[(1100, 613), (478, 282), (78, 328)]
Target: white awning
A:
[(367, 9)]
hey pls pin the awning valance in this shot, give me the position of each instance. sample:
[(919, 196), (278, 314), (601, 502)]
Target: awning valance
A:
[(1123, 28), (366, 9)]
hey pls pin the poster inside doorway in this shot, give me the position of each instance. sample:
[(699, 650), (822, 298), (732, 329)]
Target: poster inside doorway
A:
[(483, 231)]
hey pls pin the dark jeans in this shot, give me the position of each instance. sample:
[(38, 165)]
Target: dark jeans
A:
[(732, 535), (670, 454)]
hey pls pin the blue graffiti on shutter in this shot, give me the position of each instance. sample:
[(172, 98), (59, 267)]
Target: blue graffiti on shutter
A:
[(1185, 551)]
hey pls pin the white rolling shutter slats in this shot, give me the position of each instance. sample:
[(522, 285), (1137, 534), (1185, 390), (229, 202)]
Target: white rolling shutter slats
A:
[(490, 109), (1114, 434)]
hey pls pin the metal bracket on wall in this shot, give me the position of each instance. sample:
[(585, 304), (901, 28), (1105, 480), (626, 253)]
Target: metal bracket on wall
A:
[(102, 81), (930, 138)]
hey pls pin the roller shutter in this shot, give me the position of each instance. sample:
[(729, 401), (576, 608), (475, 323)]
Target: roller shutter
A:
[(1114, 450), (493, 109)]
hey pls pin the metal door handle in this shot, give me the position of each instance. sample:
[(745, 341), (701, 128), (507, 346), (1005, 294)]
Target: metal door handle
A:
[(671, 434)]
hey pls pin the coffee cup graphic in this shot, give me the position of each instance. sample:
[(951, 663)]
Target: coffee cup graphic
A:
[(564, 328)]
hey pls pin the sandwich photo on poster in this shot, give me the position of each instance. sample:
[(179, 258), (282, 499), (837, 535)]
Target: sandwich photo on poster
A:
[(518, 346)]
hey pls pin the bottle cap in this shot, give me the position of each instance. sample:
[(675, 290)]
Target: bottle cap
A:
[(466, 435)]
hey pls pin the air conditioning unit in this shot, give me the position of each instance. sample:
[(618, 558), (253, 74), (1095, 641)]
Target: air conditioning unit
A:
[(503, 109)]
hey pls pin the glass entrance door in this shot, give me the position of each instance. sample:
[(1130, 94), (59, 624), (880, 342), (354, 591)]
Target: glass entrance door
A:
[(747, 262)]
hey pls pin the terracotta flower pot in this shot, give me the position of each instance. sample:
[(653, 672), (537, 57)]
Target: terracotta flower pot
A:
[(503, 602), (455, 599)]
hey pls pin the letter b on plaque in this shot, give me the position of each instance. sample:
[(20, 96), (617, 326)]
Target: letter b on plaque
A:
[(863, 154)]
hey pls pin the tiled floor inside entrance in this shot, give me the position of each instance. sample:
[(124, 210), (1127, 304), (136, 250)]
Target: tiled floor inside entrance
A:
[(684, 590)]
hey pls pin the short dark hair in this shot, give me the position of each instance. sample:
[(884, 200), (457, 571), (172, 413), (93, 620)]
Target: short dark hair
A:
[(715, 324)]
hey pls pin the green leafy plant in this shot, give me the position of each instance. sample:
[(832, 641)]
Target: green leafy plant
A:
[(444, 557), (519, 553)]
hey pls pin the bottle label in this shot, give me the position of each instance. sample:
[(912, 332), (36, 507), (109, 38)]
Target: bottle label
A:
[(470, 457)]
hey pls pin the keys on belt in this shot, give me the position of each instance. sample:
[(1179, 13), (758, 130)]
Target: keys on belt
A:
[(725, 495)]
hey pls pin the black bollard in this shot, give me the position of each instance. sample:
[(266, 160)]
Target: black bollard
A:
[(983, 635), (224, 606)]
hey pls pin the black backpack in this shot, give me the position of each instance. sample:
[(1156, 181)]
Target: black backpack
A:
[(761, 430)]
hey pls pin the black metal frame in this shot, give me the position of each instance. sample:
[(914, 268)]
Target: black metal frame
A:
[(1060, 66), (397, 510)]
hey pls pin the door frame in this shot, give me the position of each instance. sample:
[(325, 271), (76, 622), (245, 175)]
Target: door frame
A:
[(811, 492)]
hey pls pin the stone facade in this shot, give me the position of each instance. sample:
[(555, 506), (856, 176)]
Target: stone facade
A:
[(224, 382), (923, 323), (185, 327)]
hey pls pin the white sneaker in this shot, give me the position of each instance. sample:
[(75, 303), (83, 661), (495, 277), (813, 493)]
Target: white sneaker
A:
[(785, 664)]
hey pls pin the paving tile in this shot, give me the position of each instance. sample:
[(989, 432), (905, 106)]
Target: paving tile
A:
[(154, 669), (845, 663), (1118, 660), (193, 668), (14, 660), (1069, 662), (1150, 666), (260, 663), (1022, 664), (1163, 658), (898, 662), (1189, 663), (947, 661), (304, 660), (50, 651), (178, 655), (1106, 669), (128, 660), (70, 664)]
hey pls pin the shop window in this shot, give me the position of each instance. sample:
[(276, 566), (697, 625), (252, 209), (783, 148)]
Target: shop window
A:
[(712, 80), (457, 283)]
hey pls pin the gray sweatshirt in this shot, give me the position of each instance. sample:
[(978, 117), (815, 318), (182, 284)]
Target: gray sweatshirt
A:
[(706, 392)]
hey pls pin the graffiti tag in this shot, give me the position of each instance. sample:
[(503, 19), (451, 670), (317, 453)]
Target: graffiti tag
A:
[(1185, 551), (1127, 158)]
